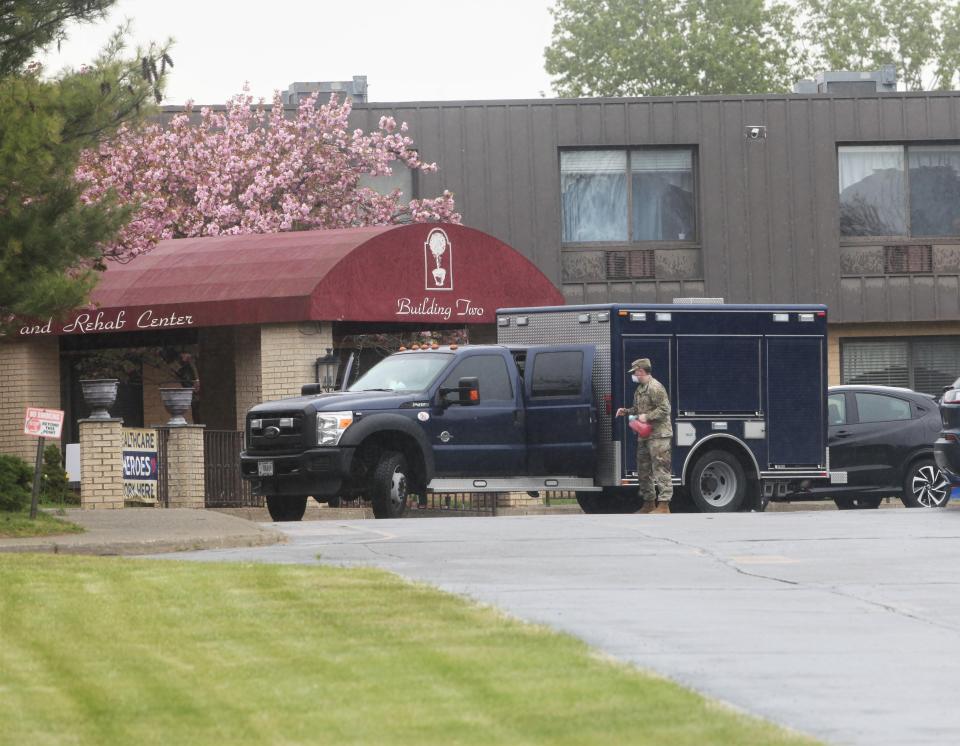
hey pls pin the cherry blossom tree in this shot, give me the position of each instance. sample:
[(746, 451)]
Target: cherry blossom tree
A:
[(251, 169)]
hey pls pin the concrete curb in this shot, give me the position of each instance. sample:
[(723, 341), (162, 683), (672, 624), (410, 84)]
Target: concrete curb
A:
[(139, 531)]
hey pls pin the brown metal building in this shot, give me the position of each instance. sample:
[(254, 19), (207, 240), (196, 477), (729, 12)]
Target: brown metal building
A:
[(849, 199)]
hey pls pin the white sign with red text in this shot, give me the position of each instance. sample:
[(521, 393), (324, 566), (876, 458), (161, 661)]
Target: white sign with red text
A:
[(43, 423)]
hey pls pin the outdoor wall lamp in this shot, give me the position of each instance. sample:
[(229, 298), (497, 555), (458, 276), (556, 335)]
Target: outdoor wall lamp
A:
[(326, 370)]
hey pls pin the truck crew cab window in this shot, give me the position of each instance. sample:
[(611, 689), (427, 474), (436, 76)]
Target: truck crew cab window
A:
[(880, 408), (490, 370), (557, 374)]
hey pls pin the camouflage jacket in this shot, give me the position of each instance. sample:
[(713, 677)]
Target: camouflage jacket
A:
[(652, 400)]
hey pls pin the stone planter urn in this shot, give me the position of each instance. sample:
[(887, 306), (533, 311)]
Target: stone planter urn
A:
[(177, 401), (99, 395)]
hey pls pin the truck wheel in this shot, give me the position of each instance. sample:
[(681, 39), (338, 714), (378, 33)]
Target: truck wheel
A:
[(388, 488), (925, 486), (717, 483), (286, 507)]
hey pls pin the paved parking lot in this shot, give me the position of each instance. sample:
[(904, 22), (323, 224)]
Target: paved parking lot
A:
[(842, 624)]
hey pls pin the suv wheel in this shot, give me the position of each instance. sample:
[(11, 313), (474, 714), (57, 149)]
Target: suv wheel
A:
[(925, 486)]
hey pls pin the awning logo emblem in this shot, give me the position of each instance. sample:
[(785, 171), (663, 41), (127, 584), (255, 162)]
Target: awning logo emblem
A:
[(438, 261)]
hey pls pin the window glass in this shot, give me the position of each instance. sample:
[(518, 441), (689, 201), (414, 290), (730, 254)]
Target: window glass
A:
[(411, 372), (881, 408), (557, 373), (491, 370), (593, 187), (662, 183), (872, 190), (934, 190), (837, 409), (936, 363), (875, 363), (385, 184)]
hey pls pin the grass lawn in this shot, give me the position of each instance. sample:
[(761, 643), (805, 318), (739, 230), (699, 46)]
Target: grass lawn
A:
[(19, 525), (117, 651)]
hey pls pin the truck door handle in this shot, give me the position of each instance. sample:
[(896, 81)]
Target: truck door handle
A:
[(843, 433)]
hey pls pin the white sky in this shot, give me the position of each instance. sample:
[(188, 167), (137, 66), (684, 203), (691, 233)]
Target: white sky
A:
[(418, 50)]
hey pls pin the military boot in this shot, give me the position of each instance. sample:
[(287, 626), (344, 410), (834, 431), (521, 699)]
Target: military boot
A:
[(660, 507), (648, 506)]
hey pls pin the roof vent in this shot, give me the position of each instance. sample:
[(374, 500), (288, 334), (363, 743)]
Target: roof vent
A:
[(851, 82), (355, 89), (698, 301)]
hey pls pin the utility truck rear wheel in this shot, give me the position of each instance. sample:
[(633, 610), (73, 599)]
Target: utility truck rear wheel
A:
[(286, 507), (717, 483), (389, 485)]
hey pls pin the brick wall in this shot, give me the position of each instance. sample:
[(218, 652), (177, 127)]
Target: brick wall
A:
[(246, 356), (185, 486), (288, 356), (101, 451), (836, 332), (30, 375)]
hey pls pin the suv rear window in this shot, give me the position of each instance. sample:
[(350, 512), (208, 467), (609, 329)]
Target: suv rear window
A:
[(881, 408)]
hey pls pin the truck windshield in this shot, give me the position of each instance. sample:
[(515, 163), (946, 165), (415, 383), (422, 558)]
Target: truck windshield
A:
[(412, 372)]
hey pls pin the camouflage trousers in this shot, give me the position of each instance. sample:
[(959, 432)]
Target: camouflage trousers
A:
[(654, 468)]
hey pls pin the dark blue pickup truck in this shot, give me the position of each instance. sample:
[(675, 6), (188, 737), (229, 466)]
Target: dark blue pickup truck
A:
[(747, 385)]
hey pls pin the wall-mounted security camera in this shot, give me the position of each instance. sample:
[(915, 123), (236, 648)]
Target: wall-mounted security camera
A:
[(755, 132)]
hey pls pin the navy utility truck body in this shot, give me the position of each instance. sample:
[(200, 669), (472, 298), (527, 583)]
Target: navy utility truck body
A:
[(747, 386)]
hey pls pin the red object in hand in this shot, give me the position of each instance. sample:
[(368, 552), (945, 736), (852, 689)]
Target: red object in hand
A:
[(643, 429)]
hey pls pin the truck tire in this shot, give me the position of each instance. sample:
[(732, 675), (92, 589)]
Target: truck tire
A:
[(610, 500), (717, 483), (925, 486), (388, 487), (286, 507)]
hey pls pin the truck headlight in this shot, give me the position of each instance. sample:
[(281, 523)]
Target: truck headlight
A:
[(330, 426)]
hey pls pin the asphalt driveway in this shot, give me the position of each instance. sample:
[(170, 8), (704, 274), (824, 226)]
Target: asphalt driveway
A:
[(842, 624)]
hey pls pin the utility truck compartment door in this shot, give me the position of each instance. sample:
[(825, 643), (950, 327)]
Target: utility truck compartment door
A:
[(796, 398), (657, 348)]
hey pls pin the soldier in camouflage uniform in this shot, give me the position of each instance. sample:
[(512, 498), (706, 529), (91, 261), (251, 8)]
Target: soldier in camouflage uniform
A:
[(651, 404)]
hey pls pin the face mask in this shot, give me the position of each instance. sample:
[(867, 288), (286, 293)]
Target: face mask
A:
[(634, 379)]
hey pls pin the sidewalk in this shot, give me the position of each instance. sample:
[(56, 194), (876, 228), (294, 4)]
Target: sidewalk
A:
[(134, 531)]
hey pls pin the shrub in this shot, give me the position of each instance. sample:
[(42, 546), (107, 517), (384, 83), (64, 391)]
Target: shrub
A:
[(16, 481), (53, 486)]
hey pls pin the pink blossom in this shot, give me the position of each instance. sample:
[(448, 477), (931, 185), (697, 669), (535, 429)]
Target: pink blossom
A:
[(252, 170)]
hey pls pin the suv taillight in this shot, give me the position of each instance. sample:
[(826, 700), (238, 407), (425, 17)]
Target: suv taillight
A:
[(951, 397)]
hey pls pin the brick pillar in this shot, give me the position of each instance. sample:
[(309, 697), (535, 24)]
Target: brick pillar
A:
[(288, 355), (101, 454), (185, 488), (30, 372)]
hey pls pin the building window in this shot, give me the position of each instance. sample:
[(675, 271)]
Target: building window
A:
[(897, 190), (628, 195), (925, 364)]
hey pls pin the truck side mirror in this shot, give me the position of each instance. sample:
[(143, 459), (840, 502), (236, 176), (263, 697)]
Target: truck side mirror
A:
[(311, 389), (467, 391)]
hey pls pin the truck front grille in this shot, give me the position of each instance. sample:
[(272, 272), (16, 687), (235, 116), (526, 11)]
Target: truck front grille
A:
[(272, 437)]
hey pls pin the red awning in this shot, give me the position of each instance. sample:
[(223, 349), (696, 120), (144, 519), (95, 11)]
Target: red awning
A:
[(426, 272)]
